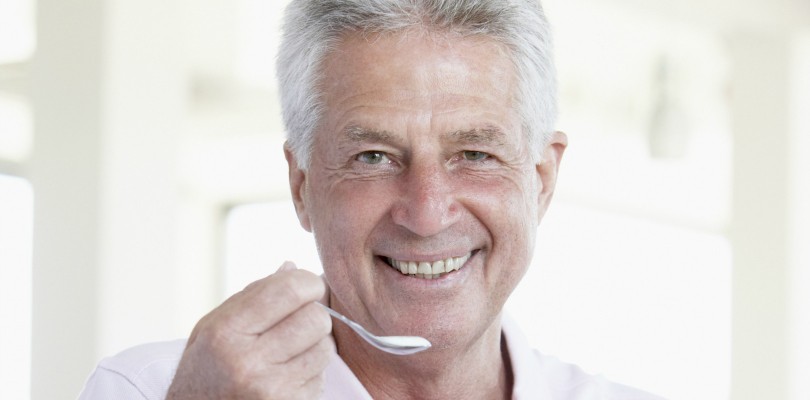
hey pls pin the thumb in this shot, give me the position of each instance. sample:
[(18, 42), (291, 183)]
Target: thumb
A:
[(325, 300), (287, 266)]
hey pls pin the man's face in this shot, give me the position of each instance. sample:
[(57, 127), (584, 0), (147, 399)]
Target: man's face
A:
[(420, 162)]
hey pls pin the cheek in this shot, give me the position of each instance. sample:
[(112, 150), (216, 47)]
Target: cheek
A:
[(344, 214), (513, 202), (513, 225), (513, 246)]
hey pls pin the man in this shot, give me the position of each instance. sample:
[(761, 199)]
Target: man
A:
[(422, 157)]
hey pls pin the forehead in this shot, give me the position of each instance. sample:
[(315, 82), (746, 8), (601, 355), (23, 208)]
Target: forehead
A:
[(420, 73)]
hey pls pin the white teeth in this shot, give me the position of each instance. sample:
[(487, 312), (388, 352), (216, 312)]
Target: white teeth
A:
[(424, 268), (438, 267), (429, 270)]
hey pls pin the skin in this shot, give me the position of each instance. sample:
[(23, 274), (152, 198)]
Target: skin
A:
[(419, 156), (269, 341)]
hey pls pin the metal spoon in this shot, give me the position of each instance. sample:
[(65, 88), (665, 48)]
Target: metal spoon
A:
[(400, 345)]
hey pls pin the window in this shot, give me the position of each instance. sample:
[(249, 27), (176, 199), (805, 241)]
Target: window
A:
[(15, 127), (17, 30)]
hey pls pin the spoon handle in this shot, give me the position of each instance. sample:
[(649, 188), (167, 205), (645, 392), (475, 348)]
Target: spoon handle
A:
[(339, 316)]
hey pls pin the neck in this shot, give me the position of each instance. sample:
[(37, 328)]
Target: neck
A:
[(477, 370)]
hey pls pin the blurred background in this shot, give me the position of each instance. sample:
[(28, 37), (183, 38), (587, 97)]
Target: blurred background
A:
[(142, 182)]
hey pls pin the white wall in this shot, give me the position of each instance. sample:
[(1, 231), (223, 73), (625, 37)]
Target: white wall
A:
[(65, 173), (799, 224), (759, 228)]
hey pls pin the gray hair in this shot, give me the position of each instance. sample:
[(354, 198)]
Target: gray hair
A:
[(312, 28)]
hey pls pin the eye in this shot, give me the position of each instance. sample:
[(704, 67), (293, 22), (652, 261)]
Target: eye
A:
[(372, 157), (471, 155)]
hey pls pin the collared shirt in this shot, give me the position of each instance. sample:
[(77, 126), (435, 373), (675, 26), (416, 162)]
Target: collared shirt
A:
[(146, 372)]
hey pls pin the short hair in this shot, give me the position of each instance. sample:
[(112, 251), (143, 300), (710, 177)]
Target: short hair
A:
[(312, 28)]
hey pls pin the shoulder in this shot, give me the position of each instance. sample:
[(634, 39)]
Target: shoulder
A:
[(141, 372), (537, 375), (570, 382)]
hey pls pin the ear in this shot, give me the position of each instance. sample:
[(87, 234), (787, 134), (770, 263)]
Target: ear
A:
[(547, 169), (298, 187)]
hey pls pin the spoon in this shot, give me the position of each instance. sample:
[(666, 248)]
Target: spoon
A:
[(399, 345)]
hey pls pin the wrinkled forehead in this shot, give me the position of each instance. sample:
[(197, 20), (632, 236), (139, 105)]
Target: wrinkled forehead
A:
[(382, 89)]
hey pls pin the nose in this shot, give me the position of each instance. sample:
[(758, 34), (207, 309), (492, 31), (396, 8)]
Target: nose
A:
[(427, 202)]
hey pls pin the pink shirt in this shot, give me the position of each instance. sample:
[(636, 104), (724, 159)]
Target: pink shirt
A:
[(146, 371)]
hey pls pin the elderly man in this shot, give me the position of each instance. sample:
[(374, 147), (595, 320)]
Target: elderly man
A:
[(422, 156)]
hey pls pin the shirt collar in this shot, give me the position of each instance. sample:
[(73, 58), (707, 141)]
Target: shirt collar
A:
[(528, 383)]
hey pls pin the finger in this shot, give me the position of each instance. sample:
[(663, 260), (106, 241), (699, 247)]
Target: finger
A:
[(292, 379), (309, 364), (314, 361), (287, 266), (297, 333), (270, 300), (325, 298)]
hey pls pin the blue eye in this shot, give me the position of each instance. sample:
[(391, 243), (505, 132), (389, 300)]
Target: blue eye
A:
[(471, 155), (372, 157)]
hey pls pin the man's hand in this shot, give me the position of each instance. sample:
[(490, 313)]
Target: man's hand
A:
[(269, 341)]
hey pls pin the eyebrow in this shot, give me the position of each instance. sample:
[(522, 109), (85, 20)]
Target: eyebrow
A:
[(356, 133), (487, 135)]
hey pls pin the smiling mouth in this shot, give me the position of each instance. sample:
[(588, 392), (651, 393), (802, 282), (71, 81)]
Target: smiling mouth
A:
[(429, 270)]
